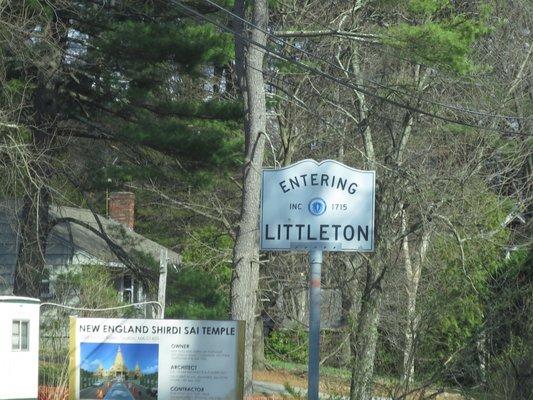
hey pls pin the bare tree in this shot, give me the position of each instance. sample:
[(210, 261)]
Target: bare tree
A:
[(245, 277)]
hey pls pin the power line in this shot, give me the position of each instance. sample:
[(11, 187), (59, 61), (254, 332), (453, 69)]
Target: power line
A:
[(312, 94), (340, 81), (311, 55), (102, 309)]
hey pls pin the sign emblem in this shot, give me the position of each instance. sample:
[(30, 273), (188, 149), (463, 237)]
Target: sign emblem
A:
[(317, 206)]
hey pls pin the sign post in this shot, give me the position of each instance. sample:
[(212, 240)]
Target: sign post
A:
[(315, 260), (317, 207)]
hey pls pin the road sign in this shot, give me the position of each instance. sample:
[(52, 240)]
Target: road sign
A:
[(310, 205)]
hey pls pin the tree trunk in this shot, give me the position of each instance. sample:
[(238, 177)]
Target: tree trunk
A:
[(413, 270), (34, 220), (364, 339), (411, 328), (33, 231), (245, 276), (411, 287), (259, 361), (349, 288)]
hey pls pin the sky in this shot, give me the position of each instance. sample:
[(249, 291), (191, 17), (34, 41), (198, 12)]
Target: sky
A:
[(92, 354)]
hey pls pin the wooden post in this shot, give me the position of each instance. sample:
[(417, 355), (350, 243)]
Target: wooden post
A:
[(161, 292)]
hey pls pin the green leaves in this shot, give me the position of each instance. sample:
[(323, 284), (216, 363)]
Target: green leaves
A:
[(427, 8), (289, 345), (186, 44), (200, 289), (204, 143), (211, 109), (149, 76), (438, 35)]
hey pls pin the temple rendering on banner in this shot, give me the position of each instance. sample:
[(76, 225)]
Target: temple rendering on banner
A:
[(119, 369)]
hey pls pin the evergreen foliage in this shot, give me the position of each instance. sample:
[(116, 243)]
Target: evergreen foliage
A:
[(134, 72), (439, 34), (135, 80), (199, 290), (461, 291)]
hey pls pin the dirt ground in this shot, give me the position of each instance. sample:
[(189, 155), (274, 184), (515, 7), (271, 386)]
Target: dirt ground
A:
[(330, 385), (280, 377)]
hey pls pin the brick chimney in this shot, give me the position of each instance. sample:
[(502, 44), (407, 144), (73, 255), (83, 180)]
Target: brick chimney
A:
[(122, 208)]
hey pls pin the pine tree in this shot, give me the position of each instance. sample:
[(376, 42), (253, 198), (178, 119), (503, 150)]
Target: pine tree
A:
[(121, 73)]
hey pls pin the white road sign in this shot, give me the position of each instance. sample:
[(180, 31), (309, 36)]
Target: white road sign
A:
[(311, 205)]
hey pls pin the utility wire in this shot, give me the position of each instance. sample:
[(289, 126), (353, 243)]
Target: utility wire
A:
[(312, 93), (338, 80), (301, 105), (102, 309), (346, 71)]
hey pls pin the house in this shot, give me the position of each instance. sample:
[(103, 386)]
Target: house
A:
[(71, 246)]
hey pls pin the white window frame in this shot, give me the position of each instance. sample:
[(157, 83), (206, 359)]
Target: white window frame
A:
[(130, 289), (45, 283), (20, 322)]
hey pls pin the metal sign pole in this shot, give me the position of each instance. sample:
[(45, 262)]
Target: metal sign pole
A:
[(315, 259), (317, 206)]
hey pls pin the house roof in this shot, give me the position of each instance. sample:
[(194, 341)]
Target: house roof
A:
[(87, 241), (70, 243)]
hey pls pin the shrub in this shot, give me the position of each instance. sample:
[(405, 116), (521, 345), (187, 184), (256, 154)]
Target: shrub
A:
[(288, 345)]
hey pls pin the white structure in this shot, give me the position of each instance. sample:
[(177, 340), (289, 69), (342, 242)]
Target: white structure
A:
[(19, 347)]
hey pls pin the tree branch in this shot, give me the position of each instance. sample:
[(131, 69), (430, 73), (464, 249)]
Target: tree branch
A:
[(359, 37)]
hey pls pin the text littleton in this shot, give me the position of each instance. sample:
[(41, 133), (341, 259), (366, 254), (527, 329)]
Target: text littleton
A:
[(323, 232)]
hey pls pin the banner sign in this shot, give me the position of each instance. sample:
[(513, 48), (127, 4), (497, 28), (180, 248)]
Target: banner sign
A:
[(147, 359), (311, 205)]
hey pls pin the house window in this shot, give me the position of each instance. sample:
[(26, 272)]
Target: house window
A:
[(19, 335), (127, 289), (45, 285)]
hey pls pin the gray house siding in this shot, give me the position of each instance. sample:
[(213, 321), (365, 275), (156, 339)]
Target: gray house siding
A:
[(8, 248)]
